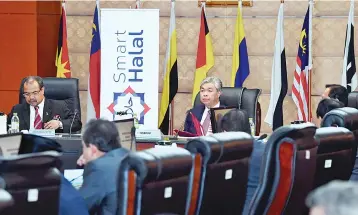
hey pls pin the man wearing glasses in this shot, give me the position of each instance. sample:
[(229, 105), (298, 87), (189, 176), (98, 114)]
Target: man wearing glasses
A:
[(41, 113)]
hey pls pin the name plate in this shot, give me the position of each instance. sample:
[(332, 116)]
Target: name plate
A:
[(43, 132), (152, 135)]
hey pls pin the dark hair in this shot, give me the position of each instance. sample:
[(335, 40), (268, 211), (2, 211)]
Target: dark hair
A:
[(38, 79), (326, 105), (101, 133), (235, 120), (338, 92)]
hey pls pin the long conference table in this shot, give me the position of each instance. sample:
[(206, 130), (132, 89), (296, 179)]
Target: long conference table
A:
[(72, 147)]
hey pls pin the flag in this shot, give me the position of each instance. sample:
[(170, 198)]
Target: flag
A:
[(94, 78), (204, 55), (274, 116), (137, 4), (349, 75), (301, 85), (62, 58), (240, 59), (170, 84)]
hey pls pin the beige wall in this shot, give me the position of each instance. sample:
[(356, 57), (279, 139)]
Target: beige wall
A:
[(328, 44)]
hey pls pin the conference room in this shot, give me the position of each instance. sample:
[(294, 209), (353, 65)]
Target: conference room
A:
[(178, 107)]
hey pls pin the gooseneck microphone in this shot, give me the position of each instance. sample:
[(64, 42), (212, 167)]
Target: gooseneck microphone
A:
[(73, 119)]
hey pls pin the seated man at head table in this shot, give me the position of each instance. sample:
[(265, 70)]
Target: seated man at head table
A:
[(41, 113), (210, 91), (238, 120), (336, 91), (102, 156)]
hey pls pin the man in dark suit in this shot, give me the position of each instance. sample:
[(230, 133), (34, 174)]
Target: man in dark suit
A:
[(102, 156), (210, 91), (41, 113)]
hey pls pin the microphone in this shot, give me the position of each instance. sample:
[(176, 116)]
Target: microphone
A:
[(73, 119), (133, 141)]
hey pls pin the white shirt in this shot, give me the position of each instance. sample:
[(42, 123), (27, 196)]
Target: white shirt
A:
[(33, 113), (205, 113)]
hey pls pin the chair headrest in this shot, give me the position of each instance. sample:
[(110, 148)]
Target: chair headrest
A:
[(29, 161), (222, 146), (333, 139), (295, 132), (353, 99), (342, 117), (158, 163)]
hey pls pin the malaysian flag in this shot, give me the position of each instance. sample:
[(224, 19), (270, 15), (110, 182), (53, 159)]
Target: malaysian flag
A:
[(301, 85)]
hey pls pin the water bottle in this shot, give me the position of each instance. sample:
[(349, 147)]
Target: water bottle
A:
[(252, 126), (136, 122), (15, 123)]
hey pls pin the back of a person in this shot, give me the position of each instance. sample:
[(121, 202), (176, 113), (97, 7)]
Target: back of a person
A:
[(104, 171), (238, 120), (102, 154)]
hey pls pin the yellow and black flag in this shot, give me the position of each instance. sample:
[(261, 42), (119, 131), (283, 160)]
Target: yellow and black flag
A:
[(204, 55), (170, 84), (62, 58)]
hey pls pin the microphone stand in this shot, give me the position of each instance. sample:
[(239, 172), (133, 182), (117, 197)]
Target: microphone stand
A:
[(73, 119)]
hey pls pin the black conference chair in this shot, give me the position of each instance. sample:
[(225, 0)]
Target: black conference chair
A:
[(224, 173), (336, 155), (288, 169), (155, 181), (34, 181), (65, 89), (243, 98)]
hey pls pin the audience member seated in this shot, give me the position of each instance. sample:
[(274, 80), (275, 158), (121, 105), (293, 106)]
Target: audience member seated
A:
[(238, 120), (325, 106), (102, 155), (334, 198), (336, 91), (210, 91), (41, 113)]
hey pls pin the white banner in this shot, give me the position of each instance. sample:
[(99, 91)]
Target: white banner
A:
[(129, 64)]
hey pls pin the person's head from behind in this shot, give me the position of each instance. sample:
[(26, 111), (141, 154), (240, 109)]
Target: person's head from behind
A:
[(235, 120), (336, 91), (325, 106), (99, 137), (210, 91), (33, 90), (334, 198)]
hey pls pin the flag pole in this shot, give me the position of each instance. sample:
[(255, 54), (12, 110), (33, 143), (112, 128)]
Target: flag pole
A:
[(310, 64), (171, 106)]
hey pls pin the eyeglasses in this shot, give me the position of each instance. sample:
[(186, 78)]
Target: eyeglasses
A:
[(34, 93)]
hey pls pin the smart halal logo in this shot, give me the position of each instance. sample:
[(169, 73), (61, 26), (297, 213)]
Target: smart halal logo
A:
[(130, 102)]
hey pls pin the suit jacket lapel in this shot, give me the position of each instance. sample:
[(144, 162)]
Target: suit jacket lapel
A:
[(26, 115), (47, 112)]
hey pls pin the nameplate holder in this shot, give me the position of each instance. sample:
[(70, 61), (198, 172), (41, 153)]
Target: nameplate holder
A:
[(43, 132), (146, 134)]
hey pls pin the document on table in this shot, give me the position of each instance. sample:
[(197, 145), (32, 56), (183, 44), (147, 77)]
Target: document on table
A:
[(75, 176)]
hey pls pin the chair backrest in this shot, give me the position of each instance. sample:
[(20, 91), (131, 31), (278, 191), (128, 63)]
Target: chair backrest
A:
[(224, 174), (154, 181), (287, 171), (243, 98), (346, 117), (65, 89), (34, 181), (336, 155), (353, 99)]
